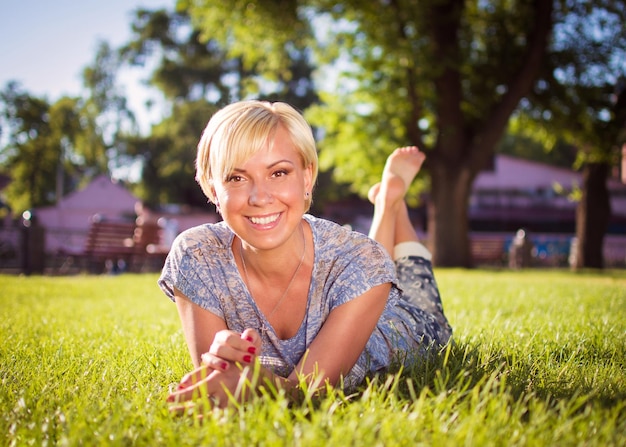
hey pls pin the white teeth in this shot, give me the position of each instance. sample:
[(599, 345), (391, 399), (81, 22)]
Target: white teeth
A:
[(264, 220)]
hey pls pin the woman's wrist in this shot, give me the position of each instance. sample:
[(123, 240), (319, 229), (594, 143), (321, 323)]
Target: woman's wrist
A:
[(276, 383)]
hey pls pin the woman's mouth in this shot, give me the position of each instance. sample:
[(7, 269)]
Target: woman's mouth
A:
[(264, 220)]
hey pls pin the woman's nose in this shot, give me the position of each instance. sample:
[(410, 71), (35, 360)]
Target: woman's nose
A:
[(260, 194)]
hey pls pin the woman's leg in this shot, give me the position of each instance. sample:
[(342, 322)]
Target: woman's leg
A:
[(392, 227), (391, 224)]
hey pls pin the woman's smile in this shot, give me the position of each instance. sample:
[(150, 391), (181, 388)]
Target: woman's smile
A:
[(264, 220)]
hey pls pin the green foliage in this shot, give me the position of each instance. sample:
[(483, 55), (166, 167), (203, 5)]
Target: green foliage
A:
[(527, 148), (40, 154), (231, 23), (186, 68), (352, 150), (580, 98), (538, 360), (392, 66), (196, 78), (27, 156), (50, 148), (168, 156)]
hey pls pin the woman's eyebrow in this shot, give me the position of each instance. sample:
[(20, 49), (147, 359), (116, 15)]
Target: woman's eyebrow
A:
[(270, 166)]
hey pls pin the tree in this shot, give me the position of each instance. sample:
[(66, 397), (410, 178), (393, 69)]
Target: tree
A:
[(53, 147), (196, 78), (168, 156), (184, 67), (594, 209), (192, 76), (443, 74), (190, 68), (104, 113), (579, 98), (25, 158), (40, 141)]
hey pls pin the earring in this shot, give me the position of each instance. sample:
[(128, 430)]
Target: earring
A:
[(307, 194)]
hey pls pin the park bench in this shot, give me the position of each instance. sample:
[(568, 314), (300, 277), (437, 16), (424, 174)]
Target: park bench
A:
[(150, 252), (118, 246), (487, 250), (109, 246)]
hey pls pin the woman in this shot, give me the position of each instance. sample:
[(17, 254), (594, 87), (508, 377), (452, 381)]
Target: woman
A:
[(301, 295)]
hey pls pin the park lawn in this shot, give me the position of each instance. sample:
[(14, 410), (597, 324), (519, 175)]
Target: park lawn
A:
[(539, 359)]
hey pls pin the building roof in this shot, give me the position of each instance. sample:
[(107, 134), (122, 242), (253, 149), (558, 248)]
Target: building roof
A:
[(102, 195), (511, 173)]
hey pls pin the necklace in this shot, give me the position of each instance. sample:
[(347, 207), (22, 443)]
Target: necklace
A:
[(293, 277)]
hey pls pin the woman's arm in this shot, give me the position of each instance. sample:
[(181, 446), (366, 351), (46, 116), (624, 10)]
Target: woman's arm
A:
[(207, 336), (214, 351), (199, 326), (333, 352), (343, 337)]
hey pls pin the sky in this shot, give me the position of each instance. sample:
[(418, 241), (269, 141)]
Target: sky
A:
[(45, 44)]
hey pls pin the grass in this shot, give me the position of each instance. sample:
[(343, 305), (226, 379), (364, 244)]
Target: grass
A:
[(539, 359)]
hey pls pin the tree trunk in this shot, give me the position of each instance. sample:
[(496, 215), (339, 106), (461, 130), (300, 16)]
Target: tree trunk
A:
[(448, 226), (461, 151), (592, 216)]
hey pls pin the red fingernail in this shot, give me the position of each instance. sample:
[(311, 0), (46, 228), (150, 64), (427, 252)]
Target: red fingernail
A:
[(252, 350), (249, 338), (247, 358), (224, 365)]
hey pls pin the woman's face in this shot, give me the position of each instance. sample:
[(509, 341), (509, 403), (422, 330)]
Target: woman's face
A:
[(263, 200)]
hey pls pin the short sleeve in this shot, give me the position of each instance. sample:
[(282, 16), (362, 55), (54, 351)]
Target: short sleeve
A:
[(361, 268), (191, 268)]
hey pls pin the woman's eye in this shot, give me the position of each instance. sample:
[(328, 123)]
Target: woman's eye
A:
[(234, 178), (280, 173)]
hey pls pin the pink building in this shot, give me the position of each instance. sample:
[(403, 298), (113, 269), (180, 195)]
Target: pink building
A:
[(521, 193), (68, 222)]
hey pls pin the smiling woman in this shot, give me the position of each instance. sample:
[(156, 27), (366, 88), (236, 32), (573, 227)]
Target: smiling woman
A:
[(300, 297)]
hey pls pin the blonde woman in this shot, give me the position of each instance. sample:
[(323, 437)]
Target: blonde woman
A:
[(273, 284)]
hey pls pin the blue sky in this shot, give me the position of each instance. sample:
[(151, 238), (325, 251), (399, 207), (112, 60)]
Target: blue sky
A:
[(45, 44)]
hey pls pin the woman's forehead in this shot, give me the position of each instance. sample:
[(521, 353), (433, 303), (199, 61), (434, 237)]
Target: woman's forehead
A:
[(271, 155)]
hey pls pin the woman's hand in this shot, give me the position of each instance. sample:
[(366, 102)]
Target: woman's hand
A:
[(218, 385), (224, 369), (229, 346)]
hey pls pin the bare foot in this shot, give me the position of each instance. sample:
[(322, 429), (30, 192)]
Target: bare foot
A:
[(373, 193), (400, 169), (404, 162)]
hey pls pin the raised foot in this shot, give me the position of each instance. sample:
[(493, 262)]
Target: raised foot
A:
[(400, 169)]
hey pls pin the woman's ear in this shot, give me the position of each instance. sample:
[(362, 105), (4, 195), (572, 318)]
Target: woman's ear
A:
[(214, 200), (308, 178)]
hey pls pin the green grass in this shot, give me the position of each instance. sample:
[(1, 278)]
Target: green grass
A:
[(539, 360)]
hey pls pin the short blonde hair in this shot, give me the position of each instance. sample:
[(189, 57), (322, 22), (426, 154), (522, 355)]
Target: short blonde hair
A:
[(239, 130)]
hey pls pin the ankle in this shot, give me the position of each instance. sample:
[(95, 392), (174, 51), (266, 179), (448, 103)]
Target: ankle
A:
[(388, 205)]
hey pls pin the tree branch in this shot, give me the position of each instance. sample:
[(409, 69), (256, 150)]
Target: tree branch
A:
[(496, 122), (414, 133)]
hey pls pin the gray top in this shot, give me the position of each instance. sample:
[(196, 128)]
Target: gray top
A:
[(347, 264)]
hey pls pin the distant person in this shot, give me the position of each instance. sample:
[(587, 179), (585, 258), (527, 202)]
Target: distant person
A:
[(148, 231), (521, 251), (299, 294), (170, 230)]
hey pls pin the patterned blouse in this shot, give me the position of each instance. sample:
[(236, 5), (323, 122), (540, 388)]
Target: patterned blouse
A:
[(347, 264)]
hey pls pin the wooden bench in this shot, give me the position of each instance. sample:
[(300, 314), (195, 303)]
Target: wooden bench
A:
[(109, 246), (487, 250), (115, 246), (150, 252)]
